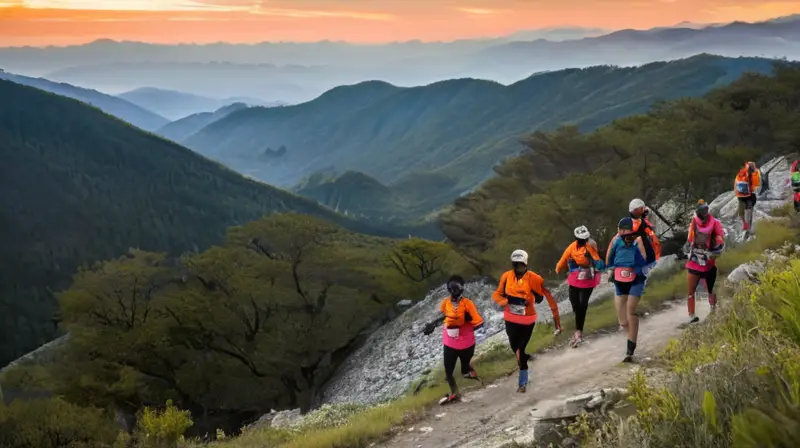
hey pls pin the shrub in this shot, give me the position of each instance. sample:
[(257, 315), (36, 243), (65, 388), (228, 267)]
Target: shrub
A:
[(54, 422), (737, 376), (163, 428)]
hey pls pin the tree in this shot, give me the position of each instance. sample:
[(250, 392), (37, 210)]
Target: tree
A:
[(419, 260)]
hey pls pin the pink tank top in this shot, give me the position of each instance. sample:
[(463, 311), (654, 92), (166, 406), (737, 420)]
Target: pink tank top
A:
[(703, 235)]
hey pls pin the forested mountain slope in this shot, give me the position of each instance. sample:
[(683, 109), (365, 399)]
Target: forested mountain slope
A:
[(679, 152), (78, 186)]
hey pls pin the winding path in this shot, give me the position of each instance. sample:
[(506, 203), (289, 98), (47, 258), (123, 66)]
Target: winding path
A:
[(496, 415)]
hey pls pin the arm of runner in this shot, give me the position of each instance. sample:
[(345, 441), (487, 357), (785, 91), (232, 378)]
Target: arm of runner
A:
[(553, 308), (472, 316), (499, 295), (563, 262), (718, 245), (756, 179), (611, 252), (430, 326), (640, 246)]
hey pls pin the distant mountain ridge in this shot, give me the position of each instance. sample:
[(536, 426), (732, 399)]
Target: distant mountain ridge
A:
[(452, 131), (185, 127), (295, 72), (771, 39), (175, 105), (125, 110)]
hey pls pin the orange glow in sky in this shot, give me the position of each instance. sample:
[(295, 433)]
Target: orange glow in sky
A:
[(64, 22)]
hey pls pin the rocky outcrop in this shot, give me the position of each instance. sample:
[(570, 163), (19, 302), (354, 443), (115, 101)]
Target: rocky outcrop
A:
[(725, 206), (41, 355)]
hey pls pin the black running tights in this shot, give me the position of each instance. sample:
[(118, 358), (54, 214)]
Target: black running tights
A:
[(518, 337), (579, 298), (451, 356)]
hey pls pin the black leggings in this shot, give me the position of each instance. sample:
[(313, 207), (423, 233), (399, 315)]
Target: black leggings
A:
[(579, 298), (451, 356), (518, 337), (709, 276), (746, 203)]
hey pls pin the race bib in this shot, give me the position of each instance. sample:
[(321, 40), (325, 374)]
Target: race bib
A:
[(453, 332), (585, 274), (625, 275), (700, 257), (519, 310)]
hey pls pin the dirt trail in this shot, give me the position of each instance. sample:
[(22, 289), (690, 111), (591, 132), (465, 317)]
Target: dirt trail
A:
[(496, 415)]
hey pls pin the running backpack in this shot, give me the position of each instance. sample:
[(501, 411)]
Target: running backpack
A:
[(796, 181), (743, 187)]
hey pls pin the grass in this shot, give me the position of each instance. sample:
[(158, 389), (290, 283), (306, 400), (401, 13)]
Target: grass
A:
[(735, 382), (377, 423), (769, 235)]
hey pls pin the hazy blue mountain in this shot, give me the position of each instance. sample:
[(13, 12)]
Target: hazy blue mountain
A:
[(508, 62), (174, 105), (296, 73), (118, 107), (557, 34), (181, 129)]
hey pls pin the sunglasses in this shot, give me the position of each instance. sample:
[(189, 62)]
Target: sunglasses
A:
[(455, 288)]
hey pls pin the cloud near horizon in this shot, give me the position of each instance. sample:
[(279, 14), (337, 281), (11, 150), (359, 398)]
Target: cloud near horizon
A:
[(64, 22)]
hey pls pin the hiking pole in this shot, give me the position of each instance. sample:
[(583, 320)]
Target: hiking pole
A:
[(661, 217)]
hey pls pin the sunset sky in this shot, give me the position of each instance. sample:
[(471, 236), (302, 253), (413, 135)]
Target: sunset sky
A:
[(64, 22)]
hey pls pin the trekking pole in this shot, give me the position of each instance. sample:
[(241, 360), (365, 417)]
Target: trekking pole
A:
[(666, 221)]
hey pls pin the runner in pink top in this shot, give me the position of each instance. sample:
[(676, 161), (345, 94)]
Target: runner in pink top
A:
[(705, 243), (461, 319)]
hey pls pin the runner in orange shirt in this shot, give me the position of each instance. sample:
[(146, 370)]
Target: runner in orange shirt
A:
[(461, 320), (517, 292)]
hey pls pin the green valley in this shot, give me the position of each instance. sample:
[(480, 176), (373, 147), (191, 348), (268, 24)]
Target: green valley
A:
[(442, 139)]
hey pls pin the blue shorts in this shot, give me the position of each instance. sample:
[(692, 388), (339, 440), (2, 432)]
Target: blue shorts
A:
[(634, 288)]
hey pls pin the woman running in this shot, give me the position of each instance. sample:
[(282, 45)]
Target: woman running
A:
[(584, 265), (705, 243), (461, 319), (627, 258), (517, 292)]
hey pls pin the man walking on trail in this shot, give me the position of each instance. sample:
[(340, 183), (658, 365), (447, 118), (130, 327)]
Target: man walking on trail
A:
[(517, 292), (745, 185)]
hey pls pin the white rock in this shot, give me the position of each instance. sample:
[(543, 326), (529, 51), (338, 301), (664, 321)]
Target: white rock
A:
[(745, 272), (284, 419)]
